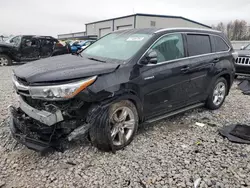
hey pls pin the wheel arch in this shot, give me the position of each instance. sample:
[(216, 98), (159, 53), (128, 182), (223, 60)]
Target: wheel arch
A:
[(225, 74), (7, 54), (228, 79), (132, 97)]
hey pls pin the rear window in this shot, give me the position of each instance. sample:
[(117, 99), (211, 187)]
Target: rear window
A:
[(198, 44), (219, 45)]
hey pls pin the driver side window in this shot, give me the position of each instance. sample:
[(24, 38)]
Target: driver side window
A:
[(169, 47)]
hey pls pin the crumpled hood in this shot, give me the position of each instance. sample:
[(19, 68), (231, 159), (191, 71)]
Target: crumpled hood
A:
[(243, 52), (60, 68)]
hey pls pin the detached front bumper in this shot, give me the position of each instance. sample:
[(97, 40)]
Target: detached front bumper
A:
[(40, 130), (21, 132)]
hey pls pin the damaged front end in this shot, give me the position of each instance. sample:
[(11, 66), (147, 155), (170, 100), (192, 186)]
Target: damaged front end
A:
[(40, 129), (43, 124)]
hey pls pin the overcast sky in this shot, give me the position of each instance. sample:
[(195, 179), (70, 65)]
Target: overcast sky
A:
[(52, 17)]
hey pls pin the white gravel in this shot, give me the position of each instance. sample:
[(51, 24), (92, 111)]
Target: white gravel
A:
[(171, 153)]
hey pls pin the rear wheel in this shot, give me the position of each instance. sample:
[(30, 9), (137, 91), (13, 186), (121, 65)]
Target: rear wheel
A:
[(115, 126), (5, 60), (218, 94)]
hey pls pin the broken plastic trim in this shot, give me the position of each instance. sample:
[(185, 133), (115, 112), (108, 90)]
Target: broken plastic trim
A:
[(79, 132)]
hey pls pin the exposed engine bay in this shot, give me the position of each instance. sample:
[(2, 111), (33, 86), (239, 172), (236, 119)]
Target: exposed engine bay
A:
[(43, 124)]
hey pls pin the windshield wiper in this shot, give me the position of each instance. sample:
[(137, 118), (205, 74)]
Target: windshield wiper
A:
[(91, 58)]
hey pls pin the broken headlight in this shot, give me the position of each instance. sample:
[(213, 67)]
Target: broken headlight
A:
[(60, 92)]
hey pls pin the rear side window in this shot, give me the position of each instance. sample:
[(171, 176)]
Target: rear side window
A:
[(198, 44), (219, 45)]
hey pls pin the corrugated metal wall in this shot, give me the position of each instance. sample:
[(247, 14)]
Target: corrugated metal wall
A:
[(104, 27), (146, 21)]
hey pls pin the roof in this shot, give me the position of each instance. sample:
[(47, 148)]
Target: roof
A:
[(88, 37), (80, 32), (159, 30), (188, 29), (151, 15)]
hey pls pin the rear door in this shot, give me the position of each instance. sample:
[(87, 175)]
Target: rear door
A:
[(46, 47), (201, 60)]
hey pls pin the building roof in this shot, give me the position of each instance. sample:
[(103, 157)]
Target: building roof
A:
[(151, 15)]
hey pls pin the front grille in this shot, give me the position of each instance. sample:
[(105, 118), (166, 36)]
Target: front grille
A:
[(243, 61)]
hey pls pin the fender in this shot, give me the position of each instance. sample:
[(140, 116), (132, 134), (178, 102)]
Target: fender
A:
[(128, 95), (7, 52), (225, 72)]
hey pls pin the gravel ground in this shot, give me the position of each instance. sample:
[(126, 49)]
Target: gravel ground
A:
[(171, 153)]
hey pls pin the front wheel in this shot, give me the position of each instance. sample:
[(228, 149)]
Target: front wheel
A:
[(218, 94), (5, 60), (115, 126)]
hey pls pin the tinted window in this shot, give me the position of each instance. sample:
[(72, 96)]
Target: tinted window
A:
[(169, 48), (219, 44), (198, 44)]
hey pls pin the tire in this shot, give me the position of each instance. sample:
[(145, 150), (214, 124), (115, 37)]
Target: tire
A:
[(214, 94), (110, 131), (5, 60)]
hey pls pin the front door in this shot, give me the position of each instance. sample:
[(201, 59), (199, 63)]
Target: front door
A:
[(164, 84), (29, 49)]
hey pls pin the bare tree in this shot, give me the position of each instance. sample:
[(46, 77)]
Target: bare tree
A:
[(235, 30)]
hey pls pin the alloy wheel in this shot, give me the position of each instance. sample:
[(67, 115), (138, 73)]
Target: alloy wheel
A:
[(3, 61), (219, 93), (122, 124)]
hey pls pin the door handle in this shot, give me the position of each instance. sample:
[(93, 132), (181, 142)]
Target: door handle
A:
[(216, 60), (185, 69)]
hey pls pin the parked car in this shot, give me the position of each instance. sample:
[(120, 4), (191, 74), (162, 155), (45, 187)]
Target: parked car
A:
[(80, 45), (25, 48), (242, 63), (61, 48), (124, 79)]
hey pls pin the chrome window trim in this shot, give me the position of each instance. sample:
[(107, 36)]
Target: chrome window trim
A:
[(186, 28), (184, 58)]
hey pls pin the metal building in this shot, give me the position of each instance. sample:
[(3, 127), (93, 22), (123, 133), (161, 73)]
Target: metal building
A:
[(78, 35), (101, 28)]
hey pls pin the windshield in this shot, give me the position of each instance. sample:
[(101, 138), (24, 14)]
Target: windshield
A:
[(121, 46), (247, 47)]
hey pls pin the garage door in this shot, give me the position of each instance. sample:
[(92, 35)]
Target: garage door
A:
[(104, 31), (124, 27)]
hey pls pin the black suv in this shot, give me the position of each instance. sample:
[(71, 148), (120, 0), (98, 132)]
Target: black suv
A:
[(25, 48), (124, 79), (243, 62)]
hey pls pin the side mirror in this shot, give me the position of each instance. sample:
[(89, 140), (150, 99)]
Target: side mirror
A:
[(242, 47), (150, 58)]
